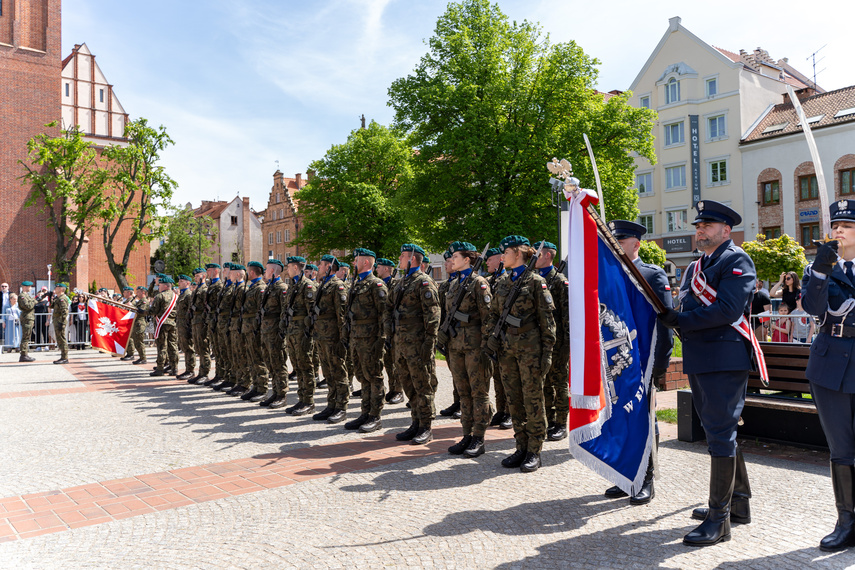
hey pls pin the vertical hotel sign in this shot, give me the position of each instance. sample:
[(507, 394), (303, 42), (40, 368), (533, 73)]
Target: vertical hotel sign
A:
[(695, 139)]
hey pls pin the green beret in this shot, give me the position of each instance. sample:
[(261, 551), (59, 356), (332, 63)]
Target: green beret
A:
[(311, 266), (27, 284), (65, 285), (513, 241), (255, 264), (167, 279), (408, 247), (329, 258), (546, 245), (343, 264), (198, 270), (296, 259), (102, 289), (275, 262), (447, 254), (363, 252), (238, 267), (212, 266), (386, 262), (461, 246), (227, 265), (185, 277), (141, 288), (126, 288)]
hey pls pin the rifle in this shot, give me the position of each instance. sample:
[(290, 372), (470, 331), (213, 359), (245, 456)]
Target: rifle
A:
[(289, 309), (348, 312), (316, 309), (395, 314), (454, 316), (240, 312), (559, 271), (505, 318), (260, 314), (191, 312), (495, 276)]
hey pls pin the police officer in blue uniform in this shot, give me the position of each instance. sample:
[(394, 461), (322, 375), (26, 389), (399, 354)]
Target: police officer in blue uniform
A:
[(717, 359), (828, 291), (629, 235)]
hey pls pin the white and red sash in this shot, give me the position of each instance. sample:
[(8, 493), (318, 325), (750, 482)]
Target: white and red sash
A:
[(163, 318), (707, 295)]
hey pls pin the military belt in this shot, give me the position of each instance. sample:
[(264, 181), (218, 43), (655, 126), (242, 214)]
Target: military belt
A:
[(838, 330), (411, 321), (521, 329), (364, 321), (326, 317)]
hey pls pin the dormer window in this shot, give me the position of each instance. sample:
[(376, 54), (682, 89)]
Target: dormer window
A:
[(672, 91)]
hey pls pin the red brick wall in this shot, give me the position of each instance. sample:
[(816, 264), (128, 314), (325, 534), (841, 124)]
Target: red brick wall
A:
[(29, 98), (290, 221), (772, 215), (804, 169), (845, 162), (674, 378)]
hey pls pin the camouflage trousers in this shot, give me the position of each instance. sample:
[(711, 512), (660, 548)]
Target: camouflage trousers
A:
[(61, 331), (26, 333), (332, 355), (129, 349), (471, 375), (237, 341), (273, 349), (556, 388), (202, 347), (185, 344), (499, 387), (389, 365), (167, 346), (368, 367), (213, 340), (316, 360), (137, 341), (224, 357), (300, 351), (418, 382), (255, 363), (523, 380)]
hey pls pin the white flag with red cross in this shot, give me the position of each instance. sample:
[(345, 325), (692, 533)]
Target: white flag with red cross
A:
[(110, 326)]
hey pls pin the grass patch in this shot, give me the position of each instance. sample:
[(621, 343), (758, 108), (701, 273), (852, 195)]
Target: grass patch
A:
[(668, 415), (439, 355), (678, 348)]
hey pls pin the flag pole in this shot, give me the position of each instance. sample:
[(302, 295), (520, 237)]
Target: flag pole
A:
[(105, 300)]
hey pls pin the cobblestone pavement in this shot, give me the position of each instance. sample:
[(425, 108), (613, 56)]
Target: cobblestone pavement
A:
[(104, 467)]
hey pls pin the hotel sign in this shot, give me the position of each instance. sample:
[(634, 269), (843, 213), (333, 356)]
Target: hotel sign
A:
[(677, 244), (695, 146)]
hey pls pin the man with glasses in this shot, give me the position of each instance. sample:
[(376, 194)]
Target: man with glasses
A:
[(5, 304)]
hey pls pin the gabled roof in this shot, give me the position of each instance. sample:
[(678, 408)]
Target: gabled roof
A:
[(211, 209), (822, 110)]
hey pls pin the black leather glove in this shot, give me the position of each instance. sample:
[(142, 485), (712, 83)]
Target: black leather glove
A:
[(669, 318), (441, 338), (494, 345), (826, 257), (659, 377)]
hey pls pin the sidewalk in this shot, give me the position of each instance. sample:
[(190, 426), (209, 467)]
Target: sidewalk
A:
[(106, 467)]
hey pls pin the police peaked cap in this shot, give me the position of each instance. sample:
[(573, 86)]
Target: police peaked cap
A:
[(712, 211), (311, 266), (623, 229), (275, 262), (842, 210), (492, 251), (212, 266), (198, 270), (184, 277), (296, 259), (167, 279), (546, 245), (513, 241), (255, 264), (26, 284), (461, 246), (384, 261), (361, 251)]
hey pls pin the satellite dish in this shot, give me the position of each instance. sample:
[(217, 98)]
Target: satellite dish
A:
[(159, 266)]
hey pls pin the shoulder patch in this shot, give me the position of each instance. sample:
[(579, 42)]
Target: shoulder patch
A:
[(425, 283), (543, 285), (310, 295), (483, 285), (548, 297), (382, 294), (379, 283), (428, 294), (487, 299), (344, 298), (340, 287), (737, 271)]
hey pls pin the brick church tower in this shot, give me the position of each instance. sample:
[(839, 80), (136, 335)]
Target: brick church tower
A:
[(30, 68)]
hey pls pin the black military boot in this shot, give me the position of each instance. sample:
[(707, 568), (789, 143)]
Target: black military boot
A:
[(211, 381), (646, 493), (260, 395), (740, 510), (409, 433), (558, 433), (127, 357), (277, 403), (140, 361), (507, 422), (251, 393), (450, 410), (238, 391), (269, 397), (497, 418), (615, 492), (531, 463), (373, 424), (357, 423), (356, 393), (26, 358), (515, 459), (476, 447), (423, 436), (324, 414), (337, 416), (844, 530), (224, 386), (395, 397), (716, 527), (461, 446), (304, 409), (157, 372), (290, 409), (292, 376)]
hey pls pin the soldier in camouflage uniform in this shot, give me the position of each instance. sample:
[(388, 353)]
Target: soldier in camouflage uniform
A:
[(251, 332), (199, 325), (301, 297), (311, 274), (395, 394), (502, 417), (140, 303), (236, 340), (59, 305), (273, 345), (412, 321), (366, 337), (184, 328), (212, 307), (343, 273), (225, 365), (556, 387), (454, 408), (165, 339), (325, 323), (464, 343), (525, 351), (28, 318)]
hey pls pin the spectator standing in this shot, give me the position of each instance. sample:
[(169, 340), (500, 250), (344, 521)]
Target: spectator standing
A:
[(4, 304), (804, 326), (788, 289), (41, 328), (761, 303), (12, 319), (781, 327), (78, 307)]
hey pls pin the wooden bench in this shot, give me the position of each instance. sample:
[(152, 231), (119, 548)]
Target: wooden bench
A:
[(783, 412)]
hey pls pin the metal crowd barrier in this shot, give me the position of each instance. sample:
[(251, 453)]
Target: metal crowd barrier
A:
[(770, 326)]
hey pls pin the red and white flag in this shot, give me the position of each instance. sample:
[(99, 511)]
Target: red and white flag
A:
[(110, 326)]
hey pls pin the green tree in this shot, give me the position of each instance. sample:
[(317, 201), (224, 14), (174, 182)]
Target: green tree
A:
[(67, 185), (650, 252), (187, 242), (141, 186), (772, 257), (487, 107), (348, 203)]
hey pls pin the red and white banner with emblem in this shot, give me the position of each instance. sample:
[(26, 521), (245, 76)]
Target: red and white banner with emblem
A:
[(110, 326)]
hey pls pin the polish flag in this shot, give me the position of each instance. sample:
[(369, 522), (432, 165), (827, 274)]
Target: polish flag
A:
[(110, 327)]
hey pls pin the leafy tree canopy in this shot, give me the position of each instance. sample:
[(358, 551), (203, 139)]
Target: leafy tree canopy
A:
[(650, 252), (187, 242), (772, 257)]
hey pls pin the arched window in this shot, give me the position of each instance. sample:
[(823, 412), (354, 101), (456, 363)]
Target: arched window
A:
[(672, 91)]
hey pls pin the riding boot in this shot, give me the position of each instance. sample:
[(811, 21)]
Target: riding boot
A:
[(740, 509), (716, 527), (844, 530)]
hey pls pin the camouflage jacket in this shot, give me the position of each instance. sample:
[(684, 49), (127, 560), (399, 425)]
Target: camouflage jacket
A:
[(237, 306), (159, 305), (182, 306), (252, 306), (473, 314), (197, 302), (27, 305), (212, 300), (141, 305), (367, 300), (329, 307), (300, 297), (224, 306), (533, 310), (273, 301), (417, 315), (559, 288), (59, 305)]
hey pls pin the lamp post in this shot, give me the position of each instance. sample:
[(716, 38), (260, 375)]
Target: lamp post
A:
[(201, 225)]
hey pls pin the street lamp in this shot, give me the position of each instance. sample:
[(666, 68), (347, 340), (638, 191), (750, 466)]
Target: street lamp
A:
[(201, 225)]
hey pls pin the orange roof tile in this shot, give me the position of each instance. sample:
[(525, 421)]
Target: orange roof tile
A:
[(831, 108)]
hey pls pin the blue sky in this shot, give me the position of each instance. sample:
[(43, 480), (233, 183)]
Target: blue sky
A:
[(242, 84)]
